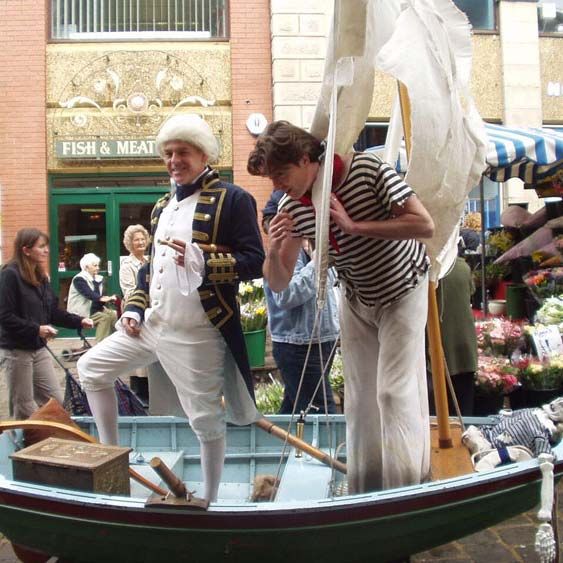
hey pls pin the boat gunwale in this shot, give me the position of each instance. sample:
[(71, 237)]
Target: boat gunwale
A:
[(335, 510), (341, 510)]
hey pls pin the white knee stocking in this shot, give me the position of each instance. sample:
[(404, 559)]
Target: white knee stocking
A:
[(103, 405), (212, 459)]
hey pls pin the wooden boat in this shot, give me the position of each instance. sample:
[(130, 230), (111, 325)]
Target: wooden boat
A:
[(310, 519)]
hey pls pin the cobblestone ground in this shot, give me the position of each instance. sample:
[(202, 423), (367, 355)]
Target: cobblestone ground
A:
[(511, 541)]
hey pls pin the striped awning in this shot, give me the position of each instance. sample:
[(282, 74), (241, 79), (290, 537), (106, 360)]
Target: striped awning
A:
[(533, 155)]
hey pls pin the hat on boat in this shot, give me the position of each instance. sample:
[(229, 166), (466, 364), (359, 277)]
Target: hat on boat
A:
[(191, 129)]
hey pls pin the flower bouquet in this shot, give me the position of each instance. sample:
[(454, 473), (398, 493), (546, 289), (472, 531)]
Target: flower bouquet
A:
[(545, 283), (551, 312), (499, 337), (253, 312), (541, 375), (495, 376), (498, 243)]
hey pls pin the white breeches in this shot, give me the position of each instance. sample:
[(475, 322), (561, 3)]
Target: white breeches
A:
[(387, 421), (194, 361)]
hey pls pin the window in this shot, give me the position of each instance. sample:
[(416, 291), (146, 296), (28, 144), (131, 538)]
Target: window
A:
[(372, 135), (550, 16), (138, 19), (481, 13)]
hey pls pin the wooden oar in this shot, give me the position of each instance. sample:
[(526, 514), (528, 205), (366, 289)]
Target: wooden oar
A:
[(296, 442), (433, 323), (77, 434)]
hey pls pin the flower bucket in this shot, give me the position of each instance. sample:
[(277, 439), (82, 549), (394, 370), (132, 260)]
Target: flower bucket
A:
[(515, 304), (486, 404), (539, 397), (256, 347)]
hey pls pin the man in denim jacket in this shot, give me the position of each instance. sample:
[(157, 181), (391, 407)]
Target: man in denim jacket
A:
[(291, 319)]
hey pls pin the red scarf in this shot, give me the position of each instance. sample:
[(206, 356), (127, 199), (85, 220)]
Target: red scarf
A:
[(337, 170)]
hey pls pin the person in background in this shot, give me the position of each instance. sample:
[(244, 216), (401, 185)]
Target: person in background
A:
[(376, 222), (184, 312), (459, 339), (135, 240), (471, 231), (28, 309), (291, 319), (86, 297)]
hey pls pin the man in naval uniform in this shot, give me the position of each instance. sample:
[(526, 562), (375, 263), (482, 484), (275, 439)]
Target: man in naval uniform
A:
[(183, 313)]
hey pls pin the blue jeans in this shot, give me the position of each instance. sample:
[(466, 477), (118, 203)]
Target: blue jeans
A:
[(290, 359)]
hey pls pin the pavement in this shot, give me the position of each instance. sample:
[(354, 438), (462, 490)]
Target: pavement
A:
[(510, 541)]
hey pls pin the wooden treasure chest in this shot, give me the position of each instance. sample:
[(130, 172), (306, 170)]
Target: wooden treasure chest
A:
[(96, 468)]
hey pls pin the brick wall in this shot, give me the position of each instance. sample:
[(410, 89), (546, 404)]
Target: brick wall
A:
[(251, 85), (23, 172)]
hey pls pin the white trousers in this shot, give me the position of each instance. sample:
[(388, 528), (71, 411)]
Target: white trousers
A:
[(194, 361), (386, 402)]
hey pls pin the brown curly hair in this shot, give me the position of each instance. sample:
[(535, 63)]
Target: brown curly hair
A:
[(282, 144)]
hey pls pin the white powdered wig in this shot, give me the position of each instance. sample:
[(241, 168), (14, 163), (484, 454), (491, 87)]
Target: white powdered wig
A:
[(191, 129)]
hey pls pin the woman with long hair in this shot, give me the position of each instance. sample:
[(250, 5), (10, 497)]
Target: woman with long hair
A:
[(28, 309)]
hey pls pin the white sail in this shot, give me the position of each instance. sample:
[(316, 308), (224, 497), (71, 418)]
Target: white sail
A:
[(448, 143), (426, 46)]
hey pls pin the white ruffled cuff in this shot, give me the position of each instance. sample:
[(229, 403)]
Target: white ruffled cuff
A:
[(194, 269)]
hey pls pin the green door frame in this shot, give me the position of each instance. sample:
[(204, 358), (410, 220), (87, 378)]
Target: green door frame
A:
[(112, 198)]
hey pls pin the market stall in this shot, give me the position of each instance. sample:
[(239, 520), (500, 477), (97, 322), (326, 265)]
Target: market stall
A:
[(535, 156)]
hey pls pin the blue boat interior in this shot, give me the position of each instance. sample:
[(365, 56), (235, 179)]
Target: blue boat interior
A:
[(251, 453)]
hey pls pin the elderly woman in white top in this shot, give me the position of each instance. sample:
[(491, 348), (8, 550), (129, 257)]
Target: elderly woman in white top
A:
[(135, 240), (86, 297)]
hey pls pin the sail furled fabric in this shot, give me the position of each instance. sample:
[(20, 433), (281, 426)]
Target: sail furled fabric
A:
[(533, 155), (427, 47), (359, 28), (430, 53)]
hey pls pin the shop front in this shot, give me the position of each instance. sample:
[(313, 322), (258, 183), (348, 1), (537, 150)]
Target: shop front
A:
[(85, 217), (90, 214)]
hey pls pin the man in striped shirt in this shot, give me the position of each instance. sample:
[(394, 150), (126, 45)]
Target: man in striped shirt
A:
[(376, 221)]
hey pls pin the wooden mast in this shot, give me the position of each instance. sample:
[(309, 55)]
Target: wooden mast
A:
[(433, 324)]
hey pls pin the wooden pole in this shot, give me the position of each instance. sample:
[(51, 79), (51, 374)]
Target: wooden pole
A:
[(280, 433), (433, 324), (176, 486)]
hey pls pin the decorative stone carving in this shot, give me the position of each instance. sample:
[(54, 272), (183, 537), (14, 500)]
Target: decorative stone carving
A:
[(129, 94)]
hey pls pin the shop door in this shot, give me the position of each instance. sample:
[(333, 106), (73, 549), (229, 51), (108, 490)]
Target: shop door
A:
[(82, 223)]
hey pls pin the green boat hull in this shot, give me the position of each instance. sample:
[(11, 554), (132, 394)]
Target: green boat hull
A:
[(373, 527)]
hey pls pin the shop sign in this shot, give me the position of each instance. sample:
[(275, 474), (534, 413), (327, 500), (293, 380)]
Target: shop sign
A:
[(547, 341), (105, 149)]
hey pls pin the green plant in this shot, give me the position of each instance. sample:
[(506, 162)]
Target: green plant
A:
[(493, 274), (336, 376), (269, 396)]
